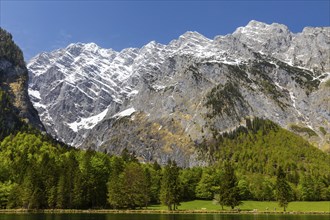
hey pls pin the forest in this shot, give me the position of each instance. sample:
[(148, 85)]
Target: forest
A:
[(37, 172)]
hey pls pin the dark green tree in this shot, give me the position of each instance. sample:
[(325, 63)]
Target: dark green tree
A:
[(135, 186), (229, 194), (5, 191), (155, 173), (283, 189), (189, 179), (115, 186), (170, 186)]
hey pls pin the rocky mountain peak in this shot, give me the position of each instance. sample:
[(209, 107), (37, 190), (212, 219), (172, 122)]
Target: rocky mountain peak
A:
[(163, 101), (264, 37), (193, 36), (260, 27), (14, 85), (189, 42)]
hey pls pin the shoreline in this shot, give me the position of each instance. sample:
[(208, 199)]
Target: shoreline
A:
[(153, 211)]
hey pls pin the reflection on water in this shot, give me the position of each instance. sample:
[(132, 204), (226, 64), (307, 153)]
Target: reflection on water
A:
[(160, 217)]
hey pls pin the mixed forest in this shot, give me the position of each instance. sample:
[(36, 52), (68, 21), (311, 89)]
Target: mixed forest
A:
[(37, 173)]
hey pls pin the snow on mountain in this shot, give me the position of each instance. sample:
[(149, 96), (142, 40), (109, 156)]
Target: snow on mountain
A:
[(124, 113), (87, 123), (83, 91)]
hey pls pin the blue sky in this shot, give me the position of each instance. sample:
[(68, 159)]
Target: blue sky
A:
[(39, 26)]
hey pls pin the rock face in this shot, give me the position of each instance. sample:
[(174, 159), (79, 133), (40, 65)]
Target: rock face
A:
[(162, 101), (14, 86)]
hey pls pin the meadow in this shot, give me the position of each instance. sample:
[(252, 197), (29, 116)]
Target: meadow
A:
[(260, 206)]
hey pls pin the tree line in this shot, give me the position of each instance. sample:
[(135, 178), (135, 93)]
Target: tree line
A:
[(36, 173)]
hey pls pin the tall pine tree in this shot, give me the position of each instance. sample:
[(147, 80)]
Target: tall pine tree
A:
[(283, 189), (170, 186), (229, 194)]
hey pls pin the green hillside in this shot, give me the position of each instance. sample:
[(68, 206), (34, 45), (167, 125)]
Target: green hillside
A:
[(262, 146), (257, 150)]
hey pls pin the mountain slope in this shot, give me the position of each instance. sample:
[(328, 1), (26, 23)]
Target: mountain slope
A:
[(162, 101), (15, 104)]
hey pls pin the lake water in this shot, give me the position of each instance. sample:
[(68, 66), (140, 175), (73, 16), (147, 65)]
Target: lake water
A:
[(160, 217)]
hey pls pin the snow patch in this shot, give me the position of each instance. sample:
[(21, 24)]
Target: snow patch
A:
[(293, 99), (39, 105), (291, 94), (325, 78), (87, 123), (34, 93), (158, 87), (133, 93), (124, 113), (231, 62)]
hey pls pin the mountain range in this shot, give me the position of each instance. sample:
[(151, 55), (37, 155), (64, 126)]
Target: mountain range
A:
[(165, 101)]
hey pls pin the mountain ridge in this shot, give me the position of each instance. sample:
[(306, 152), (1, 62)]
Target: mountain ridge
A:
[(16, 107), (169, 86)]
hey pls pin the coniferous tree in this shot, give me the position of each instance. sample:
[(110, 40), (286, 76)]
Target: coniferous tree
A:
[(135, 186), (283, 189), (115, 192), (170, 186), (78, 190), (229, 194), (155, 182)]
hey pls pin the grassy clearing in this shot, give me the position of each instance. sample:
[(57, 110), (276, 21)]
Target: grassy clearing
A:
[(201, 206), (323, 206)]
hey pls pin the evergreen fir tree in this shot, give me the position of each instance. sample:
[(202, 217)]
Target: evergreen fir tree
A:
[(283, 189), (170, 186), (229, 194)]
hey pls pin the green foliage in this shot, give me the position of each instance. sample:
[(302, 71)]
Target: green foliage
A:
[(208, 184), (37, 172), (322, 129), (301, 76), (313, 189), (301, 129), (154, 175), (135, 186), (9, 50), (283, 189), (130, 188), (127, 156), (257, 150), (48, 175), (6, 188), (170, 186), (260, 187), (260, 69), (189, 179), (115, 191), (262, 146), (229, 194), (222, 100), (244, 190)]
